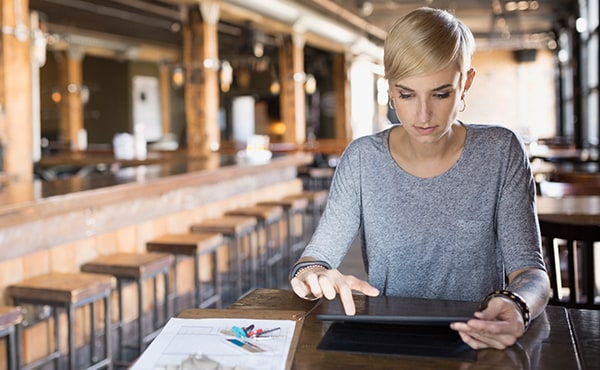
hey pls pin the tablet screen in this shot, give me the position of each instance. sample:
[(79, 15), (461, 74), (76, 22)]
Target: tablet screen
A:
[(398, 310)]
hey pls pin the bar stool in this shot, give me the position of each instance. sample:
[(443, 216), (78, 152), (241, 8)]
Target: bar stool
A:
[(137, 268), (319, 178), (203, 248), (317, 200), (270, 242), (69, 291), (239, 271), (296, 222), (10, 318)]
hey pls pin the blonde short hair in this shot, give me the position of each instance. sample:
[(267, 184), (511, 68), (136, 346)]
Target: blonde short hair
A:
[(424, 41)]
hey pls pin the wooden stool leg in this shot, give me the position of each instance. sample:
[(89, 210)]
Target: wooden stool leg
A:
[(10, 351), (140, 315), (197, 285), (166, 310), (238, 270), (207, 270), (274, 262), (175, 294), (13, 348), (107, 330), (71, 335), (92, 331), (56, 337), (120, 323), (217, 279)]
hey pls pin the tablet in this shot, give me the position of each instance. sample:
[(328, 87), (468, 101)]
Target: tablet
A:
[(399, 310)]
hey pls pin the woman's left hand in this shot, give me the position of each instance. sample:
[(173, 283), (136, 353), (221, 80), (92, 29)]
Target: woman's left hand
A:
[(498, 326)]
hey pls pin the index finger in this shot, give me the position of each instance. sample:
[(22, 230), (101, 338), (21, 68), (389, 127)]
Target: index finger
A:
[(347, 300)]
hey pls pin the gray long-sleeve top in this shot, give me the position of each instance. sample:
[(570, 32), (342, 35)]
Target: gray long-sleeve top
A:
[(453, 236)]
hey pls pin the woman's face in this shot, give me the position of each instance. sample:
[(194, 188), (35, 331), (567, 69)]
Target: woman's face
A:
[(428, 105)]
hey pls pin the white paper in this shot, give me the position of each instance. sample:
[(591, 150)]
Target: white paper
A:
[(181, 338)]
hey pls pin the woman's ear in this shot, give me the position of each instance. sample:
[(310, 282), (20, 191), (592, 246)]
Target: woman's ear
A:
[(468, 81)]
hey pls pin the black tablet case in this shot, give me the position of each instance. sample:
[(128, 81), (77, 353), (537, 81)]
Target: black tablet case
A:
[(398, 326)]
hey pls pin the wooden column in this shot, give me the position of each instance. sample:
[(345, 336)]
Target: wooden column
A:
[(165, 97), (201, 58), (341, 81), (71, 105), (15, 91), (293, 98)]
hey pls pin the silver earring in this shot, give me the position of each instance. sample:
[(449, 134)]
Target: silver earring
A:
[(391, 104), (464, 105)]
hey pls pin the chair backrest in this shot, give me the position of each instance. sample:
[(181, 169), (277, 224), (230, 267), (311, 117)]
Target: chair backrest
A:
[(560, 189), (569, 250)]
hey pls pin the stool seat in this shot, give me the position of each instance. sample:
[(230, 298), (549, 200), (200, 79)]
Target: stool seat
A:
[(266, 213), (185, 243), (196, 245), (10, 318), (314, 196), (130, 265), (289, 203), (58, 287), (229, 225)]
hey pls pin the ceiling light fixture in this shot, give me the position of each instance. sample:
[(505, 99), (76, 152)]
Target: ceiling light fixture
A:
[(366, 7), (522, 5)]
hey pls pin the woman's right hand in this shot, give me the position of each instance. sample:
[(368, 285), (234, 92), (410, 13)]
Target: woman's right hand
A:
[(320, 282)]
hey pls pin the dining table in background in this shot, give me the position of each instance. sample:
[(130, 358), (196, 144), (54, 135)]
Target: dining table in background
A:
[(581, 209)]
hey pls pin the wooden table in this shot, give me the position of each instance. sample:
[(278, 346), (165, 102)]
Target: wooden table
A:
[(549, 344)]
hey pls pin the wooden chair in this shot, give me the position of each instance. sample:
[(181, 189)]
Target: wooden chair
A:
[(578, 241), (560, 189)]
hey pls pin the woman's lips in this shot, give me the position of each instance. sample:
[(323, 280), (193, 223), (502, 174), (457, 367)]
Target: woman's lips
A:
[(425, 130)]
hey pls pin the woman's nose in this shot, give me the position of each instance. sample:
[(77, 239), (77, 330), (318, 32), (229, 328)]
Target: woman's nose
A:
[(424, 111)]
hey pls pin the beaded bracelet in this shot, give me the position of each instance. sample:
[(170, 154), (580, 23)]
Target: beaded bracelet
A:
[(523, 307), (305, 266)]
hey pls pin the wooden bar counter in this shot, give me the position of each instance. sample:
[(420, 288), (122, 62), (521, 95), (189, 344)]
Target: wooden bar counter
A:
[(60, 224)]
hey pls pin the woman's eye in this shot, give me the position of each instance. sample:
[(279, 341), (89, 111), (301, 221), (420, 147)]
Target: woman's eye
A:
[(405, 96), (442, 95)]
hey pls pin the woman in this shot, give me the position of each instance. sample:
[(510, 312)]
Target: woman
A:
[(446, 210)]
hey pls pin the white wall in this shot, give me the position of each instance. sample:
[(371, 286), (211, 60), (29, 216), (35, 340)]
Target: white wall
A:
[(362, 98), (521, 96)]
